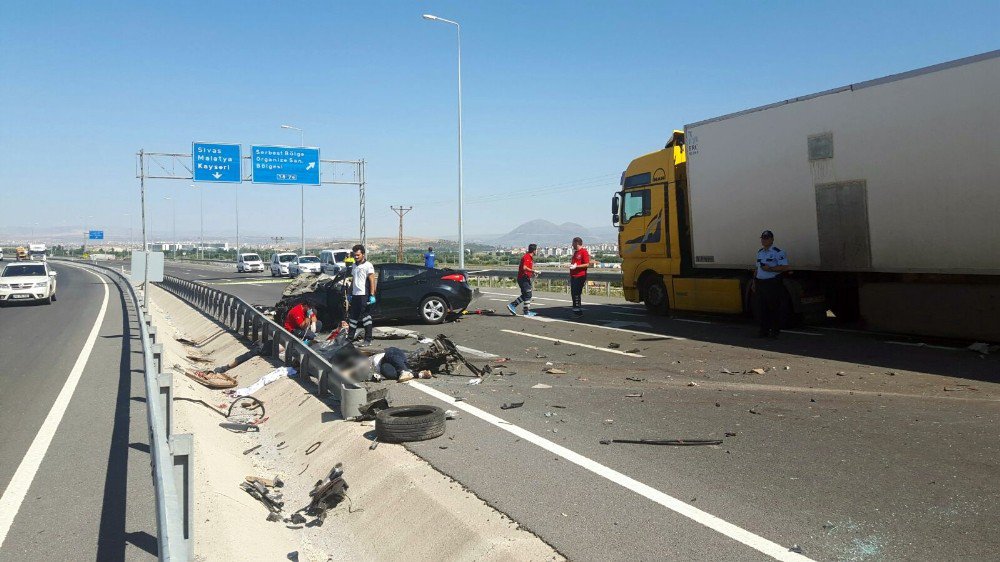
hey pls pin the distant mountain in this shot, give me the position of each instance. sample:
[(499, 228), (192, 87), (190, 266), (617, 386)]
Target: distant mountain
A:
[(546, 233)]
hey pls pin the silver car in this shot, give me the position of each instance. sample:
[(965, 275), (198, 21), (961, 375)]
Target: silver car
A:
[(303, 264)]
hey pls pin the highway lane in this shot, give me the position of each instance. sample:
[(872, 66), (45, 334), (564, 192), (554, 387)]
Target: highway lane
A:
[(91, 496), (855, 451)]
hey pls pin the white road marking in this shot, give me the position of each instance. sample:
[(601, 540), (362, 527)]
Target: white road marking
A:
[(801, 333), (19, 485), (533, 303), (533, 299), (626, 330), (416, 335), (693, 321), (625, 313), (921, 344), (767, 547), (567, 342)]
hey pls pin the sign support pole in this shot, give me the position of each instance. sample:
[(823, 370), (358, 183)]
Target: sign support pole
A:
[(145, 245)]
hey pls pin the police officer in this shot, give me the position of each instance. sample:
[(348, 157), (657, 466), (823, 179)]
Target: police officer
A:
[(771, 262)]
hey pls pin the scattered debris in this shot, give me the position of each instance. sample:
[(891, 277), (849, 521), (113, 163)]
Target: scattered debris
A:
[(198, 359), (634, 350), (787, 368), (557, 342), (674, 442), (371, 409), (728, 372), (796, 549), (693, 384), (475, 381), (542, 385), (554, 371), (275, 482), (718, 405), (614, 345), (759, 371), (755, 410), (450, 414), (540, 356), (841, 373), (549, 414), (327, 494), (730, 434), (634, 395), (511, 405), (959, 388), (260, 493), (312, 448), (251, 449), (634, 379), (549, 363), (267, 379), (983, 348), (211, 379), (608, 422)]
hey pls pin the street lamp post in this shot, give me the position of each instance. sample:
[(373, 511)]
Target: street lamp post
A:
[(201, 242), (173, 211), (461, 202), (302, 190)]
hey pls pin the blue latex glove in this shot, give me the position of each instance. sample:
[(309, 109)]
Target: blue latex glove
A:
[(371, 299)]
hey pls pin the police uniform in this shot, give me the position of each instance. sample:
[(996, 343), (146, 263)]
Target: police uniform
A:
[(769, 289)]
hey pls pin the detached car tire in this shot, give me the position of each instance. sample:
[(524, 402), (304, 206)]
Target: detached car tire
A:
[(409, 423)]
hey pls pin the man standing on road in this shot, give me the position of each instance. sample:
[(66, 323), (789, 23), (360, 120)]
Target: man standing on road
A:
[(768, 288), (362, 296), (429, 258), (578, 267), (525, 272)]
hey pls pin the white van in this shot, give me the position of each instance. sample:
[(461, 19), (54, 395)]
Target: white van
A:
[(245, 263), (280, 263), (332, 261)]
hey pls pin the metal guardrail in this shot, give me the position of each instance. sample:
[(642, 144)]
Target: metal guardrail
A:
[(172, 456), (239, 316)]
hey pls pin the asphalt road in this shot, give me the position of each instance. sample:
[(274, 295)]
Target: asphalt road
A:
[(851, 446), (91, 496)]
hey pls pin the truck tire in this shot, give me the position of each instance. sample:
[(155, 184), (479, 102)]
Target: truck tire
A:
[(654, 296), (409, 423)]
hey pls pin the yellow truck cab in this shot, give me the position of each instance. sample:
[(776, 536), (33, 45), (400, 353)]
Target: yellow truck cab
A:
[(654, 239)]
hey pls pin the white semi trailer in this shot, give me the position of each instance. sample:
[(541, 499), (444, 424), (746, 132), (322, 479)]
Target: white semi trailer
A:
[(884, 194)]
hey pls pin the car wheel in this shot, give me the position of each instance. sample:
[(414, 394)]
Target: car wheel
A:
[(54, 297), (433, 309), (48, 300)]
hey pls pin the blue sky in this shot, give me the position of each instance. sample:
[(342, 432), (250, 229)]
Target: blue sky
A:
[(558, 97)]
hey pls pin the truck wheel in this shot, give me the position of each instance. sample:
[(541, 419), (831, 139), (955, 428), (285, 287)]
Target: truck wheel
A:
[(409, 423), (655, 296)]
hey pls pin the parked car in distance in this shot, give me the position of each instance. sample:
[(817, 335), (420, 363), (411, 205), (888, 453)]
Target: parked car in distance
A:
[(246, 263), (280, 263), (406, 290), (27, 281), (332, 261), (303, 264)]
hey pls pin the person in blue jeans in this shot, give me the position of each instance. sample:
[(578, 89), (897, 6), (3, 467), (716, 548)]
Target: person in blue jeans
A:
[(429, 257), (362, 296)]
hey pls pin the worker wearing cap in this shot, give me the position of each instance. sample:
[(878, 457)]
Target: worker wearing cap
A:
[(768, 288)]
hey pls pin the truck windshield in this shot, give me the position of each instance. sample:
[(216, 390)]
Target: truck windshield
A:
[(636, 204), (24, 271)]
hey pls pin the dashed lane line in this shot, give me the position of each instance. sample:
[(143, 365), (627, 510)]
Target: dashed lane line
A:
[(625, 330), (762, 545), (578, 344)]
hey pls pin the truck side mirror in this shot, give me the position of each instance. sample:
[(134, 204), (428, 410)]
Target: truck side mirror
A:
[(614, 210)]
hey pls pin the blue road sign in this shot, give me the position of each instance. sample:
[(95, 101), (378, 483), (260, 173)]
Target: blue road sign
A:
[(216, 162), (96, 235), (288, 165)]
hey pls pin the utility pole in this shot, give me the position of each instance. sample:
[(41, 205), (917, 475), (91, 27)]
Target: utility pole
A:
[(401, 211)]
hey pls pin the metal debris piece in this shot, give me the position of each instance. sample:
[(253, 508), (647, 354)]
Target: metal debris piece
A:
[(634, 395), (614, 345), (693, 384), (759, 371), (251, 449), (312, 448), (674, 442), (634, 379), (511, 405), (554, 371), (475, 381), (542, 385), (634, 350), (327, 494), (730, 434)]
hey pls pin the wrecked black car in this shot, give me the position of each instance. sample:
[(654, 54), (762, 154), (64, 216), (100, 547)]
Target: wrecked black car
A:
[(403, 291)]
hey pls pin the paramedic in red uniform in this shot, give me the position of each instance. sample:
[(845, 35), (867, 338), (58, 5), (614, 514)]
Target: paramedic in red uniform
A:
[(578, 274), (525, 273)]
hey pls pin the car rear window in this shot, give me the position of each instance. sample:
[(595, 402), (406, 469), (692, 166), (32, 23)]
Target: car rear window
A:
[(23, 270), (286, 257), (251, 257), (308, 259), (340, 256)]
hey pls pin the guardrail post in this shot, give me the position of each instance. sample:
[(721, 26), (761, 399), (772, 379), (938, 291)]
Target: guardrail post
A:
[(182, 452), (148, 319), (157, 349), (607, 288), (152, 334), (165, 381)]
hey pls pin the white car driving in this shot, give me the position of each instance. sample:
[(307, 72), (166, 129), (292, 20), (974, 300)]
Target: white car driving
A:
[(303, 264), (280, 263), (27, 281), (246, 263)]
